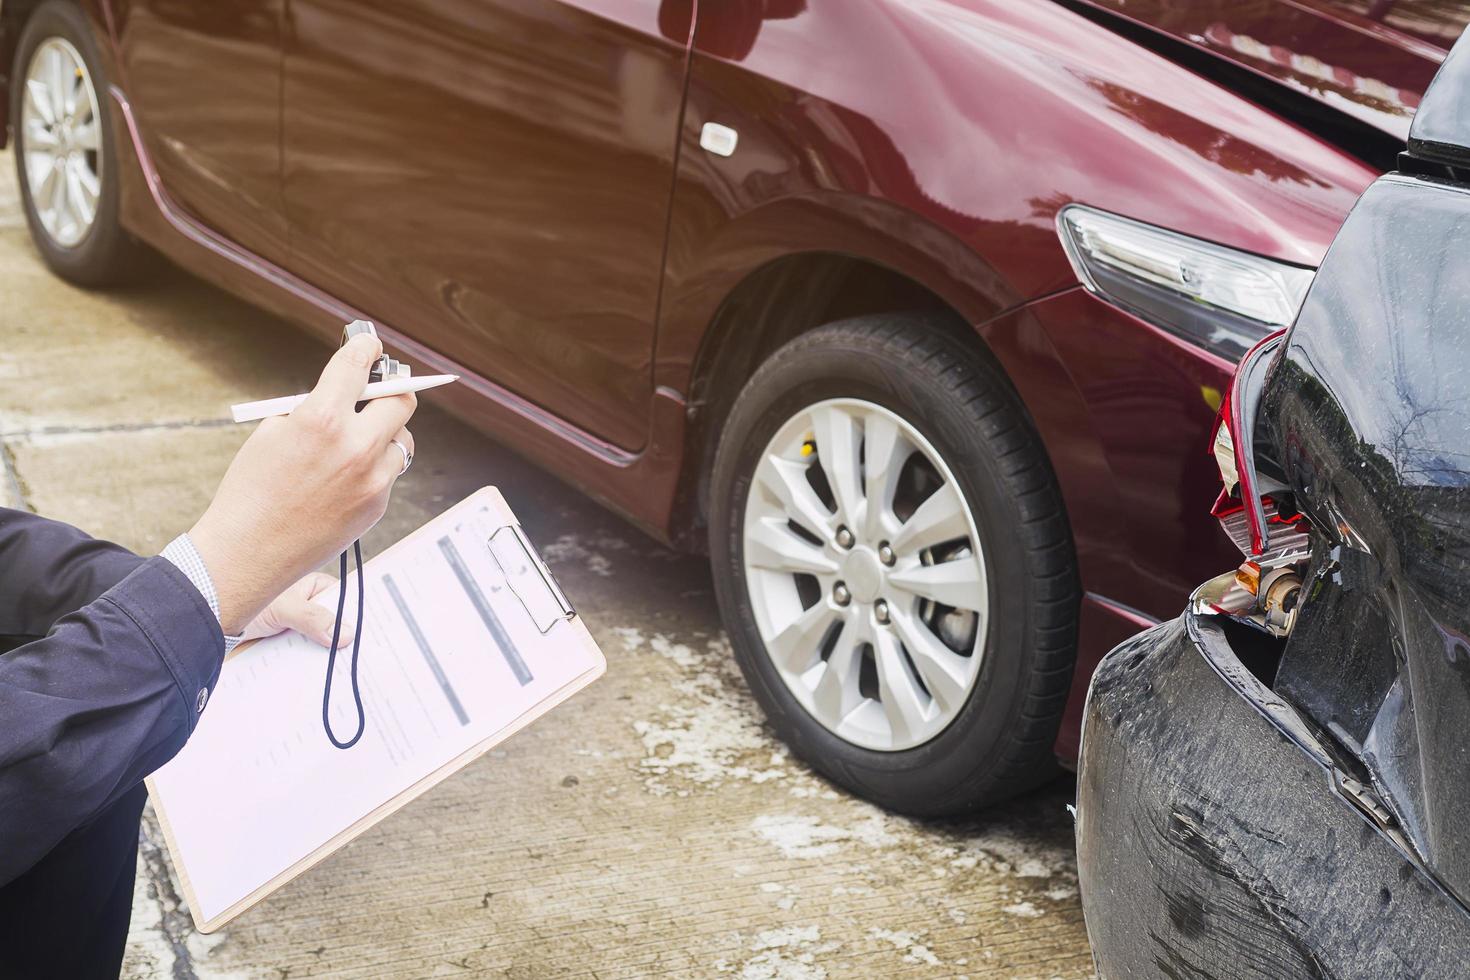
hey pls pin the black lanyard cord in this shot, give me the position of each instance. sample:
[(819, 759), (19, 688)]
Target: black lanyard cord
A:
[(332, 653)]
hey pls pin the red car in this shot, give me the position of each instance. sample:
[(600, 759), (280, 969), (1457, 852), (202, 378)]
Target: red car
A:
[(915, 315)]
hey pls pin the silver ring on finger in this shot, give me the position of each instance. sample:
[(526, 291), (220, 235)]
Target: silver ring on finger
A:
[(407, 456)]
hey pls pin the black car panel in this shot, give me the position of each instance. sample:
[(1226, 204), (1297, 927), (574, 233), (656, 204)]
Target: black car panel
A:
[(1217, 840), (1369, 408)]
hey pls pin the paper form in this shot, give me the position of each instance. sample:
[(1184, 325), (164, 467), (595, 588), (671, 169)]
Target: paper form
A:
[(451, 657)]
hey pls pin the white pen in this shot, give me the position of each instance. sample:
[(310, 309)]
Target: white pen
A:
[(254, 411)]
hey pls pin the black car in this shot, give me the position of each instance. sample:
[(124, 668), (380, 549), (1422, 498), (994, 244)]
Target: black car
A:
[(1274, 784)]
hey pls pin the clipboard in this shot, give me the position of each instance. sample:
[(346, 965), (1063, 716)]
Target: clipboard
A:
[(467, 639)]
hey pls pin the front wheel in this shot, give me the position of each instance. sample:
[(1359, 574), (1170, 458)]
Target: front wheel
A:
[(64, 154), (894, 565)]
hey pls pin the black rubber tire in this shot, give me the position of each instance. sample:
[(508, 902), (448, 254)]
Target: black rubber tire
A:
[(107, 256), (1000, 743)]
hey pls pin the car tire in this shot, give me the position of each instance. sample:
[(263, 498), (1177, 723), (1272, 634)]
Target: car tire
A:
[(889, 372), (95, 252)]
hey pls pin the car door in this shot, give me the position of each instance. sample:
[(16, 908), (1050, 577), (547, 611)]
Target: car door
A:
[(204, 80), (493, 178)]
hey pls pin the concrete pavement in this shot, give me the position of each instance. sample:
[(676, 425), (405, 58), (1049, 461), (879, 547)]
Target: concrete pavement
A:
[(649, 827)]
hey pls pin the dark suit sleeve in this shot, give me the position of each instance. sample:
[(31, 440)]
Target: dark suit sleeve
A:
[(107, 696), (49, 569)]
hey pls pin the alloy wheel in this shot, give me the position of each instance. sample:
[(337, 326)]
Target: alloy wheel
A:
[(866, 575), (62, 141)]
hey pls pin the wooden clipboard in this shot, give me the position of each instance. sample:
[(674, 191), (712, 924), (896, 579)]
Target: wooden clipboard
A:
[(546, 611)]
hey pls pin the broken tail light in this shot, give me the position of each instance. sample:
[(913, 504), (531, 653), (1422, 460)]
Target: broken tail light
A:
[(1272, 537)]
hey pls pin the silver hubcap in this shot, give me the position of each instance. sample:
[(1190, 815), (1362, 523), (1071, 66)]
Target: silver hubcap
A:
[(866, 574), (61, 135)]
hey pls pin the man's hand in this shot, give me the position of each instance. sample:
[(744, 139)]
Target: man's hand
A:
[(295, 610), (303, 487)]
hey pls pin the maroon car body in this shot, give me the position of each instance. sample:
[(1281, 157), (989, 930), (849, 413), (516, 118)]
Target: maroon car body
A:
[(515, 191)]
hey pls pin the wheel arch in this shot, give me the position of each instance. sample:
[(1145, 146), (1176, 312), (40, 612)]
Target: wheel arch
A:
[(771, 306), (795, 293)]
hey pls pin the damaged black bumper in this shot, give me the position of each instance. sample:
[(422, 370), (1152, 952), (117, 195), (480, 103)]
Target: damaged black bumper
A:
[(1218, 837)]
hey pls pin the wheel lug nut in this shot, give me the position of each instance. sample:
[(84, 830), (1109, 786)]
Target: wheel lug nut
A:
[(885, 554), (880, 611), (844, 537), (840, 594)]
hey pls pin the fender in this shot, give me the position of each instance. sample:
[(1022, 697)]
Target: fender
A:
[(984, 118), (957, 127)]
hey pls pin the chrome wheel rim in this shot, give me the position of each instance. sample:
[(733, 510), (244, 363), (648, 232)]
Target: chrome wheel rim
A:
[(866, 574), (62, 142)]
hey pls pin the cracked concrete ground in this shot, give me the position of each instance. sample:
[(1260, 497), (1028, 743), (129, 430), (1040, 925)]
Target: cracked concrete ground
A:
[(649, 827)]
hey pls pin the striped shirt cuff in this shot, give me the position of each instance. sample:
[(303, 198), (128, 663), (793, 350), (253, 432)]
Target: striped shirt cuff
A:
[(186, 558)]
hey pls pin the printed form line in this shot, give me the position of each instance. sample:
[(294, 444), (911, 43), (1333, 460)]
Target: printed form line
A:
[(433, 661), (487, 615)]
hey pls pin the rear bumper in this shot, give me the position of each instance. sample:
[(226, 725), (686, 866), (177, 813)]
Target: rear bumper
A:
[(1213, 837)]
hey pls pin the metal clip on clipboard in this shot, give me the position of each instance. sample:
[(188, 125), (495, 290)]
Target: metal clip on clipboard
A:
[(529, 578)]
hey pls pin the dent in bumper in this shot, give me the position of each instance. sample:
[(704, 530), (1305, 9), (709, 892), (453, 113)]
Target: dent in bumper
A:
[(1212, 842)]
